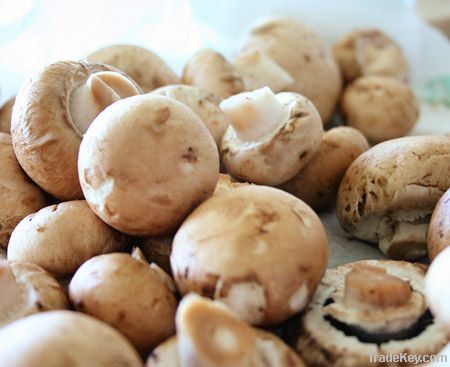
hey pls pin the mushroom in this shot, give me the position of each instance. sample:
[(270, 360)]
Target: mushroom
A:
[(318, 182), (210, 71), (145, 67), (438, 237), (64, 338), (258, 70), (5, 115), (61, 237), (369, 52), (256, 249), (303, 55), (18, 195), (381, 107), (26, 289), (53, 110), (365, 309), (388, 193), (272, 137), (210, 335), (202, 103), (127, 294), (145, 163), (226, 183)]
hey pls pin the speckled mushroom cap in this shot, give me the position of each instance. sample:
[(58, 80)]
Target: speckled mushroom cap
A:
[(325, 341), (145, 163), (281, 153), (381, 107), (18, 195), (210, 71), (127, 294), (438, 237), (303, 55), (369, 52), (144, 66), (64, 338), (26, 289), (61, 237), (318, 182), (202, 103), (52, 111), (5, 115), (388, 193), (257, 249)]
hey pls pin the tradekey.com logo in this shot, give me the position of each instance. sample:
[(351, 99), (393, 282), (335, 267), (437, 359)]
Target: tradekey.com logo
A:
[(411, 359)]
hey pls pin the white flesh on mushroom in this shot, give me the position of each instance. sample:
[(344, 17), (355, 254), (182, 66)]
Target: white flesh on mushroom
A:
[(98, 92), (255, 114)]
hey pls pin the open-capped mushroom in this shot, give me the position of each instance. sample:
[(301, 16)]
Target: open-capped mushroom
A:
[(265, 263), (438, 237), (26, 289), (18, 195), (5, 115), (272, 137), (210, 335), (369, 52), (366, 309), (64, 338), (304, 56), (388, 193), (127, 294), (202, 103), (210, 71), (318, 182), (145, 163), (145, 67), (61, 237), (53, 110), (381, 107)]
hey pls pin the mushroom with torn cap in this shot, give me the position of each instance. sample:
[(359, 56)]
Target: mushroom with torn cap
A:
[(142, 65), (388, 193), (145, 163), (5, 115), (265, 264), (271, 137), (369, 308), (438, 237), (53, 110), (64, 338), (18, 195), (61, 237)]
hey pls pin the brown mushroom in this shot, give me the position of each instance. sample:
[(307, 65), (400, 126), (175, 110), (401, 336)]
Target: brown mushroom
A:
[(145, 163), (53, 110), (438, 237), (5, 115)]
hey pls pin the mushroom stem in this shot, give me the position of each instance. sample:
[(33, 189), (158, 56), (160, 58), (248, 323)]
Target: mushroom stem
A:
[(255, 114), (369, 287), (9, 289), (98, 92)]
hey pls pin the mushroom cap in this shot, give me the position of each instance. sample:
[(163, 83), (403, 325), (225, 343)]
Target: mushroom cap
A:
[(317, 183), (256, 248), (437, 290), (18, 195), (281, 154), (226, 183), (323, 342), (144, 66), (202, 103), (302, 54), (5, 115), (61, 237), (145, 163), (63, 338), (34, 290), (369, 52), (46, 137), (127, 294), (396, 181), (381, 107), (210, 71), (438, 237)]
